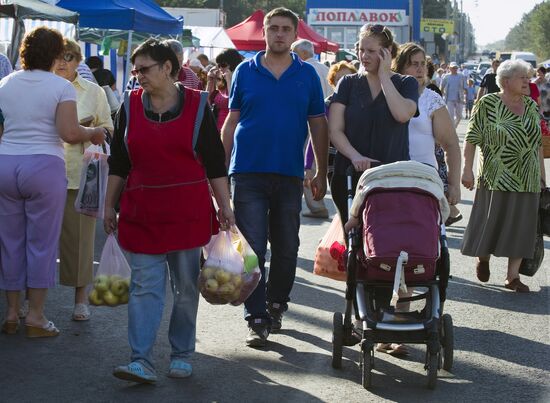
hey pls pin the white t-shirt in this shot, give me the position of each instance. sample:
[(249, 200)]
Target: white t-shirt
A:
[(421, 137), (28, 101)]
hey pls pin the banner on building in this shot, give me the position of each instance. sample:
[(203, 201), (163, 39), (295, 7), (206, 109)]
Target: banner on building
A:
[(437, 26), (349, 16)]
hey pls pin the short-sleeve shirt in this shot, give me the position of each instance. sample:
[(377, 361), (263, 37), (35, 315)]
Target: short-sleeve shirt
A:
[(421, 136), (273, 124), (28, 101), (489, 81), (509, 144), (369, 124), (92, 103), (453, 86)]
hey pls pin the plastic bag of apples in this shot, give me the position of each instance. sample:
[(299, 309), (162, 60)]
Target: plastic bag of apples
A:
[(111, 284), (230, 272)]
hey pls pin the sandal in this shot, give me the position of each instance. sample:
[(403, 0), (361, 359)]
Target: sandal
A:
[(516, 285), (10, 327), (81, 312), (48, 330), (395, 349)]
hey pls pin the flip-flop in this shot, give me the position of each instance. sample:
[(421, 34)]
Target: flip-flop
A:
[(81, 312), (394, 349)]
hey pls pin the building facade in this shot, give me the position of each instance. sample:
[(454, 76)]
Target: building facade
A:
[(341, 20)]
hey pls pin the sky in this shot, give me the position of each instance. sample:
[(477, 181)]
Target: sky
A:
[(493, 19)]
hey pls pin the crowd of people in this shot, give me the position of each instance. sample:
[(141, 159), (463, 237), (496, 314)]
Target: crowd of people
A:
[(264, 133)]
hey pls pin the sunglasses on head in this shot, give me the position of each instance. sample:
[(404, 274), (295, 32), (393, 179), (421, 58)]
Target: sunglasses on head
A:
[(68, 57), (143, 70), (378, 29)]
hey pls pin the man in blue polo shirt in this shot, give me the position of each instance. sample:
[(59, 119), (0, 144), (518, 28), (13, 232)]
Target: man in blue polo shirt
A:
[(274, 97)]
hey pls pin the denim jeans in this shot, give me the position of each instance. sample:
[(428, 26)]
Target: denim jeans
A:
[(147, 295), (267, 207)]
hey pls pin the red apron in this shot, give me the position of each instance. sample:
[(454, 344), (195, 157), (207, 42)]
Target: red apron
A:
[(166, 204)]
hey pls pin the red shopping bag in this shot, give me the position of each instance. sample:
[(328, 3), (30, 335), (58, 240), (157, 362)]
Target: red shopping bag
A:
[(328, 258)]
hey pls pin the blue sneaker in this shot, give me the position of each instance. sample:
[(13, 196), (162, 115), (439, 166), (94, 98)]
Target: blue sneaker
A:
[(135, 372), (179, 369)]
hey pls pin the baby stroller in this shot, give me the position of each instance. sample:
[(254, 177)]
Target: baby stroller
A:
[(401, 243)]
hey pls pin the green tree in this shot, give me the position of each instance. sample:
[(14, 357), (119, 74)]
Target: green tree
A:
[(237, 11), (532, 34)]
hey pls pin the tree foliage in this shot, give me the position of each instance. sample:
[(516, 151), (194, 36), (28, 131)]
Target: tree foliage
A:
[(532, 33), (237, 11)]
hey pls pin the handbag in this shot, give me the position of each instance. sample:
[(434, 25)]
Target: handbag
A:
[(544, 211), (529, 267)]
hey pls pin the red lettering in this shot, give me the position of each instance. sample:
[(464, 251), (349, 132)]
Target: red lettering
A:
[(320, 16), (373, 17), (352, 16), (394, 17), (383, 17), (341, 16), (331, 16)]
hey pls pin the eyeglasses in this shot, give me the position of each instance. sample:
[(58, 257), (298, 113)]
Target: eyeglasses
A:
[(68, 57), (143, 70), (378, 29), (222, 65)]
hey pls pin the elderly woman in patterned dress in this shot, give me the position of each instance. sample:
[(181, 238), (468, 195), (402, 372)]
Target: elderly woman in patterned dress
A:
[(505, 126)]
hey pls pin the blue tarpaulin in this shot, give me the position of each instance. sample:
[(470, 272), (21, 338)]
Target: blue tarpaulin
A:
[(129, 15)]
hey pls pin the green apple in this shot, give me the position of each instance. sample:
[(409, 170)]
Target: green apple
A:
[(250, 263), (208, 272), (211, 285), (226, 289), (123, 299), (94, 298), (101, 283), (110, 299), (119, 287), (115, 277), (237, 280), (235, 296), (222, 276)]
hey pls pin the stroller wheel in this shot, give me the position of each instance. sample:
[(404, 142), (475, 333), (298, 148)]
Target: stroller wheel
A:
[(432, 366), (367, 364), (447, 341), (337, 340)]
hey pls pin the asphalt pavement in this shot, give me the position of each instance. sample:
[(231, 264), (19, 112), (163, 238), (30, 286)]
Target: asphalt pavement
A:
[(501, 346)]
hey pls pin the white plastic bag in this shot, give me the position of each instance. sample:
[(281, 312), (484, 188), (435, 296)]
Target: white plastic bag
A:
[(93, 181), (112, 278), (231, 272)]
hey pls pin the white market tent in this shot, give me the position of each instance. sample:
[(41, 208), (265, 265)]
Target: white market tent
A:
[(212, 40)]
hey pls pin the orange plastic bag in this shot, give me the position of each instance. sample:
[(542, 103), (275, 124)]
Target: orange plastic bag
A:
[(325, 264)]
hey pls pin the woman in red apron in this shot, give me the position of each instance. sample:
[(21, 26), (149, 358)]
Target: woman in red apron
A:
[(166, 150)]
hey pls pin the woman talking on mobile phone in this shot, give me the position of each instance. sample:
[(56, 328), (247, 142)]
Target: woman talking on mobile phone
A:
[(370, 113)]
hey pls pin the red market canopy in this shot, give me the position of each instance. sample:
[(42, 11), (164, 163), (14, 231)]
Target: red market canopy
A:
[(248, 35)]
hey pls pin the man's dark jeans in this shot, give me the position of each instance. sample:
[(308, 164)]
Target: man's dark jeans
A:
[(267, 207)]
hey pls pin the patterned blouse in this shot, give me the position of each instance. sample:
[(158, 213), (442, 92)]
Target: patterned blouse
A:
[(509, 145)]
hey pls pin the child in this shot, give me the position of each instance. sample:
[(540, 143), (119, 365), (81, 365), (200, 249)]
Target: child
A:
[(470, 97)]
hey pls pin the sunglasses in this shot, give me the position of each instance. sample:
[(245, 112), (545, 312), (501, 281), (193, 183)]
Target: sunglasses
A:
[(68, 57), (378, 29), (143, 70), (222, 65)]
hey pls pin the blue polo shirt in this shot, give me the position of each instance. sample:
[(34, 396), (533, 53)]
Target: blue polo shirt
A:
[(273, 124)]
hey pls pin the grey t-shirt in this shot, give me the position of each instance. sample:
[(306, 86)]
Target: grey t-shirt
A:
[(369, 124), (453, 86)]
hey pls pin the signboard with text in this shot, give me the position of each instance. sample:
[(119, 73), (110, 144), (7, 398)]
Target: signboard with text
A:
[(437, 26), (350, 16)]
